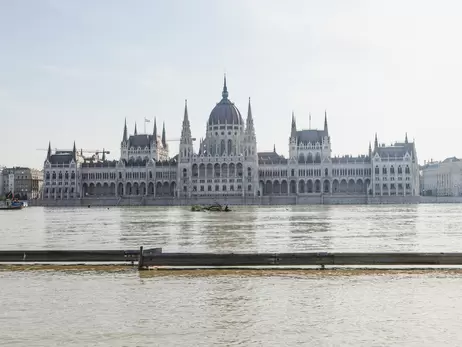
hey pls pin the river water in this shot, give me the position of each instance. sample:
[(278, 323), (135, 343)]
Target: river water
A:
[(95, 307)]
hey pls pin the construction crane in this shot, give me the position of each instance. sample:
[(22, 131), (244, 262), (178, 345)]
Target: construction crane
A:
[(81, 150), (176, 140)]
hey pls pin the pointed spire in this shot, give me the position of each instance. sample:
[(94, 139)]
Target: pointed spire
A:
[(104, 155), (309, 124), (164, 140), (274, 148), (250, 129), (186, 129), (376, 142), (136, 132), (370, 149), (74, 152), (154, 133), (49, 150), (293, 129), (405, 140), (125, 136), (325, 122), (186, 110), (224, 94), (249, 111)]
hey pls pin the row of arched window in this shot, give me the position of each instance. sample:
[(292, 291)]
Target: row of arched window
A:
[(60, 175), (385, 170), (309, 158), (59, 190), (224, 188)]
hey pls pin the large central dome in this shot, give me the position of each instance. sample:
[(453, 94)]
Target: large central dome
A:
[(225, 112)]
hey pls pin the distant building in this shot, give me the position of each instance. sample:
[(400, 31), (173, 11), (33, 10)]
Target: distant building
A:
[(228, 164), (396, 170), (442, 178), (1, 179), (23, 182)]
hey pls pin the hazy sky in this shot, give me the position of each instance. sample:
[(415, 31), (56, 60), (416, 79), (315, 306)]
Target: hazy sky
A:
[(73, 70)]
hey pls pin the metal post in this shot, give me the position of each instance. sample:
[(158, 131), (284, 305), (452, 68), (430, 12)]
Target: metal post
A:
[(140, 259)]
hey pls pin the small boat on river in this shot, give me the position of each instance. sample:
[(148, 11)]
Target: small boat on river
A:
[(12, 205), (211, 208)]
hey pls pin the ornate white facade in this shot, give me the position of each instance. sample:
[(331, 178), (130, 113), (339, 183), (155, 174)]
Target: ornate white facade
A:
[(228, 164)]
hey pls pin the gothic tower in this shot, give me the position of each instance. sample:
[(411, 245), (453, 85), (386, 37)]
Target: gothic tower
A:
[(293, 138), (250, 137), (124, 143), (186, 145)]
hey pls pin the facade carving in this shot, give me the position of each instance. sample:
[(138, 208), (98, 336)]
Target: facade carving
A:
[(228, 164)]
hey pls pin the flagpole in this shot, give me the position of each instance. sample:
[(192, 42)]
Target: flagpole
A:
[(146, 121)]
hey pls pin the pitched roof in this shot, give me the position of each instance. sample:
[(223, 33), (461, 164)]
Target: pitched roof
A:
[(311, 135)]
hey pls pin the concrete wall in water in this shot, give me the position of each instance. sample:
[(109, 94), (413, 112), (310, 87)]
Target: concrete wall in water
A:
[(441, 199), (313, 199)]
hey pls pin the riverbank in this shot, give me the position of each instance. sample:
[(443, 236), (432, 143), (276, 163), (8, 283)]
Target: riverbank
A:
[(315, 199)]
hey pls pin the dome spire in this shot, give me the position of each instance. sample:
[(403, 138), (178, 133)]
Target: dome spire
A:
[(224, 94)]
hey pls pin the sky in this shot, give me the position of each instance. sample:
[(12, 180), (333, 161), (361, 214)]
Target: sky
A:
[(75, 70)]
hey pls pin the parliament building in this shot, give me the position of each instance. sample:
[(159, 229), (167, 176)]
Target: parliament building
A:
[(228, 165)]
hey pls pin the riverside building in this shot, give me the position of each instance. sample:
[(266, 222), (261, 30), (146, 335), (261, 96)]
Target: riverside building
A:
[(228, 168)]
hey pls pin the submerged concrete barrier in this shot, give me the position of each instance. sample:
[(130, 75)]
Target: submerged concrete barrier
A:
[(51, 256), (322, 259), (154, 257)]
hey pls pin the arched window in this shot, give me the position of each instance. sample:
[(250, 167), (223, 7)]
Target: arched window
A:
[(309, 158), (54, 175), (384, 170), (60, 176), (392, 170), (47, 176), (223, 148), (230, 147), (249, 171), (66, 175), (377, 170), (326, 172), (400, 170), (72, 175)]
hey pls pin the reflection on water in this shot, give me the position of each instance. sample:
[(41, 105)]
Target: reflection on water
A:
[(263, 229), (309, 227)]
